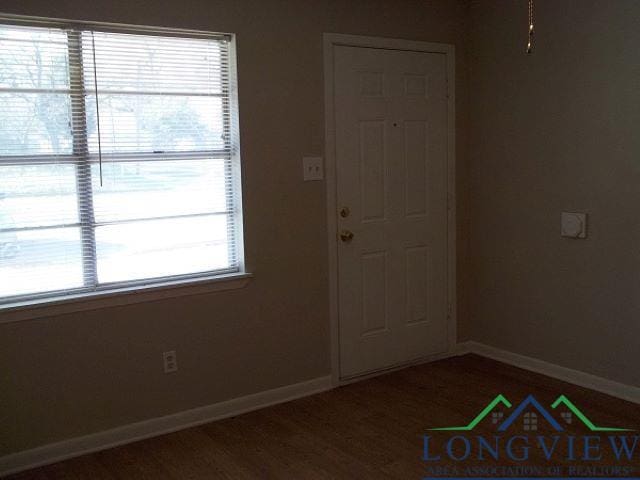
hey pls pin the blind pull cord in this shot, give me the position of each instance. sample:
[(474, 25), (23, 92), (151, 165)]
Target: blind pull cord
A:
[(95, 85)]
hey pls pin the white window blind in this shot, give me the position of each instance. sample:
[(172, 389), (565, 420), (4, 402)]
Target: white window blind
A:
[(118, 159)]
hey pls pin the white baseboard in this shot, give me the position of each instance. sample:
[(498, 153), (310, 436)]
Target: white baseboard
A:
[(576, 377), (74, 447), (94, 442)]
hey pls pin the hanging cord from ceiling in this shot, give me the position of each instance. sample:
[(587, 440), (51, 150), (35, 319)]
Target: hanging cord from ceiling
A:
[(530, 28)]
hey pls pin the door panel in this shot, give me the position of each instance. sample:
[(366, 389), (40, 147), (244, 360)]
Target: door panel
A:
[(391, 155), (372, 170), (417, 273), (416, 156), (374, 288)]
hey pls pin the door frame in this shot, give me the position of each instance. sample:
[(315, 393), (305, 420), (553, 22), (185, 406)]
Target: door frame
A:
[(330, 41)]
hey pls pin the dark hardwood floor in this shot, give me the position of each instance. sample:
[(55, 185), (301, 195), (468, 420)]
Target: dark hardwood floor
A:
[(371, 429)]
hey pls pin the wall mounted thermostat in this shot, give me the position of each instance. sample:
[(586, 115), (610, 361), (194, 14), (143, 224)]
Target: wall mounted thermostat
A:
[(573, 225)]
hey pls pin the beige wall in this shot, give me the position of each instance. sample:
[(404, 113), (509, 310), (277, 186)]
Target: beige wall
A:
[(557, 130), (74, 374), (550, 132)]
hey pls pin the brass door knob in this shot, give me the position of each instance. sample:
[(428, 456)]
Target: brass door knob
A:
[(346, 236)]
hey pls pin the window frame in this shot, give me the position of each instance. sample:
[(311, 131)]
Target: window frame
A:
[(106, 293)]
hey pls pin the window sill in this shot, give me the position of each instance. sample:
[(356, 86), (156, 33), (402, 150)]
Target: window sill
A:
[(49, 307)]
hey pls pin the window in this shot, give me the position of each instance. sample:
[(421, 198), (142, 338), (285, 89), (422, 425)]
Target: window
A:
[(119, 159), (530, 421)]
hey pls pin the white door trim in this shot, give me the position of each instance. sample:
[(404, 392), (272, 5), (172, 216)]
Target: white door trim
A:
[(330, 41)]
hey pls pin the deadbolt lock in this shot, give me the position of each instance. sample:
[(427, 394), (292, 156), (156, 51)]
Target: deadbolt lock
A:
[(344, 212)]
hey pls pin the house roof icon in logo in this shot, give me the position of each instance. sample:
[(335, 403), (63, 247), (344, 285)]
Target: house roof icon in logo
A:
[(530, 418), (529, 403), (563, 400), (499, 400)]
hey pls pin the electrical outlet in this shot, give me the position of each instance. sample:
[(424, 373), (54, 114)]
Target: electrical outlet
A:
[(170, 361), (312, 168)]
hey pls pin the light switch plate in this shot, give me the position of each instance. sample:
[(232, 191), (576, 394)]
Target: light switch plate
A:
[(573, 225), (312, 168)]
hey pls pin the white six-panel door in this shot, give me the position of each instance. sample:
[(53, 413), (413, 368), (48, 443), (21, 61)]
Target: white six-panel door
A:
[(390, 110)]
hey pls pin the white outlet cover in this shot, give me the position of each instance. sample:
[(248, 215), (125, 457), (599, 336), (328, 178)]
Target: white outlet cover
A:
[(312, 168), (573, 225), (170, 361)]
